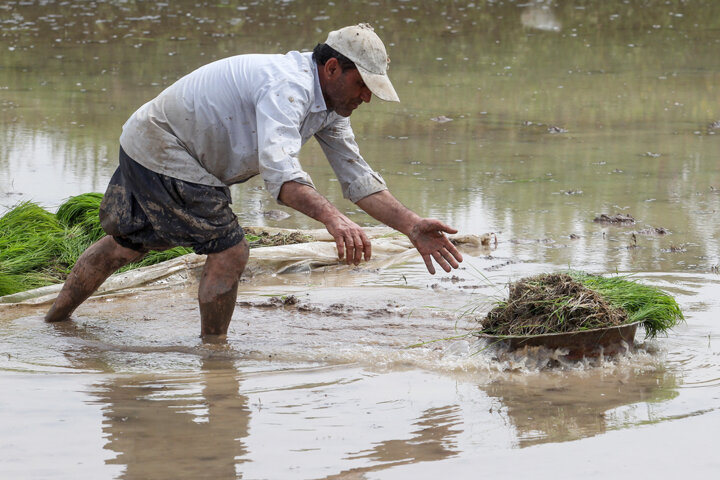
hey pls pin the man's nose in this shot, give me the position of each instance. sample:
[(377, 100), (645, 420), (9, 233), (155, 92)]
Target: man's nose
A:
[(366, 94)]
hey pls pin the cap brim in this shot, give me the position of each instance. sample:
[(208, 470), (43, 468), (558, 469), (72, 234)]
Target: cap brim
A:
[(379, 85)]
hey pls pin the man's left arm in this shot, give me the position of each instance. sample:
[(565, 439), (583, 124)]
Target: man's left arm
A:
[(362, 185), (426, 234)]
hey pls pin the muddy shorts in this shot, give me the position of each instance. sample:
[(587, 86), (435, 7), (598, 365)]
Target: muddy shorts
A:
[(144, 211)]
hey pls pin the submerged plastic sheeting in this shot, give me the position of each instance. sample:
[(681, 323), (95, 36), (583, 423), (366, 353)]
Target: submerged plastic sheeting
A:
[(388, 248)]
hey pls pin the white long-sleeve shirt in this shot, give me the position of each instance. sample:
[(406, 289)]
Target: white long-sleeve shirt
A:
[(242, 116)]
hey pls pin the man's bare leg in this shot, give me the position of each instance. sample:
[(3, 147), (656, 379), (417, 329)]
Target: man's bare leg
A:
[(217, 293), (93, 267)]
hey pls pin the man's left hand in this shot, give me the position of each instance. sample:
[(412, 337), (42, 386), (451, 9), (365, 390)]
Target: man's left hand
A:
[(428, 236)]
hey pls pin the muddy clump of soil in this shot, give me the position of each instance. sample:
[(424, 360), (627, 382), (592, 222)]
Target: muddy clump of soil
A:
[(617, 219), (292, 303), (259, 238), (550, 303), (653, 231)]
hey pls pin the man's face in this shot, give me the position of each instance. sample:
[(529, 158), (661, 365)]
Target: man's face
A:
[(345, 90)]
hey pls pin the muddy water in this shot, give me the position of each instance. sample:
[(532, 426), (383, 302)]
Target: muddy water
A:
[(524, 120)]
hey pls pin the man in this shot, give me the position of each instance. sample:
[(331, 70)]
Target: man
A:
[(224, 123)]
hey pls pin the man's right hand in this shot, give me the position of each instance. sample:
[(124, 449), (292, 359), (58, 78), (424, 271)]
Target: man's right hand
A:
[(351, 241)]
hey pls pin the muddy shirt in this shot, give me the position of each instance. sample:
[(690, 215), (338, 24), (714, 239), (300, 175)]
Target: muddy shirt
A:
[(243, 116)]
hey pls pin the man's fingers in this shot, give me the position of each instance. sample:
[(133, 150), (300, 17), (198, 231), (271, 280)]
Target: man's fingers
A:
[(448, 228), (340, 244), (444, 258), (441, 261), (349, 251), (364, 248), (428, 264), (451, 249), (359, 249), (354, 249), (450, 259), (452, 255), (442, 227)]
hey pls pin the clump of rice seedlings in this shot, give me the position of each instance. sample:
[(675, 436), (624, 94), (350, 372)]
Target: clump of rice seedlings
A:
[(81, 211), (264, 239), (30, 240), (28, 237), (550, 303), (13, 283), (38, 248), (658, 310), (576, 301), (79, 215), (153, 257)]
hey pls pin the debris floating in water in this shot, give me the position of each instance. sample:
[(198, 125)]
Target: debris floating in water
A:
[(441, 119), (617, 219)]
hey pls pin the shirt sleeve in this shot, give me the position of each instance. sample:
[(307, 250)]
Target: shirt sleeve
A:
[(279, 111), (356, 178)]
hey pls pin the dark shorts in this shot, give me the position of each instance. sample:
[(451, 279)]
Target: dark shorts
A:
[(144, 211)]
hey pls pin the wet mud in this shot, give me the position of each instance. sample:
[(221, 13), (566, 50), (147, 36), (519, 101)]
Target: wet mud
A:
[(616, 219)]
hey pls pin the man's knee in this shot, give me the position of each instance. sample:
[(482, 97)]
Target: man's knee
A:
[(231, 260), (119, 254)]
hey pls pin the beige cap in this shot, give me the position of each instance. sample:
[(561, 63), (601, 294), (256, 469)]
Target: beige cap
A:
[(361, 44)]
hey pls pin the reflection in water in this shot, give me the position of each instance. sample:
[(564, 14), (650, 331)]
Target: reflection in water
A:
[(188, 425), (198, 425), (168, 407), (433, 440), (550, 408)]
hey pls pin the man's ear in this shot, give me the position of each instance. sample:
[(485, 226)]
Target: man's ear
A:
[(332, 67)]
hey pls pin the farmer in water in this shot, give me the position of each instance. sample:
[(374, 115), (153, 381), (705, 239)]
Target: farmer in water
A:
[(225, 123)]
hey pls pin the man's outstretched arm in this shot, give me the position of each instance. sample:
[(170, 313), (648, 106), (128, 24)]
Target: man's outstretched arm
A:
[(427, 234), (351, 240)]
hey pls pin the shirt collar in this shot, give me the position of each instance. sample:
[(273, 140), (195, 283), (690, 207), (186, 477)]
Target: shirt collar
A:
[(318, 104)]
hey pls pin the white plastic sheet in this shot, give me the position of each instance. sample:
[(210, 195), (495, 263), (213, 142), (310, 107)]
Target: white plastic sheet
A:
[(388, 248)]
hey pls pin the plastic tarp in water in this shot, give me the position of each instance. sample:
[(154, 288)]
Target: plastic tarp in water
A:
[(388, 248)]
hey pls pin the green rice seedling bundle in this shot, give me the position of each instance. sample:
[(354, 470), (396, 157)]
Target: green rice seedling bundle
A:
[(79, 215), (153, 257), (38, 248), (30, 240), (81, 211), (576, 301), (657, 310)]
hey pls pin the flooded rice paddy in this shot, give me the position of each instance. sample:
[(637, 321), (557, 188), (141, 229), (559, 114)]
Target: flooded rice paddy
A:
[(526, 119)]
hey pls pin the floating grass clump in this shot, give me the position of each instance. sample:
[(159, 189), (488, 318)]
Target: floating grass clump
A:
[(576, 301)]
